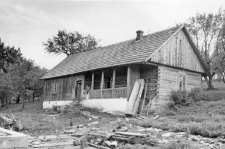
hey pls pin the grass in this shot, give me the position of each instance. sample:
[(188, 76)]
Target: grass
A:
[(171, 145), (205, 118), (37, 121)]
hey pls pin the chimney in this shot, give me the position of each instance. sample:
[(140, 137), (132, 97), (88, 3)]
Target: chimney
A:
[(139, 35)]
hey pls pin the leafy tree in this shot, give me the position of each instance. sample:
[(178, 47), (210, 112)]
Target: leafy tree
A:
[(34, 83), (6, 89), (70, 43), (205, 29), (218, 56), (8, 56), (25, 77)]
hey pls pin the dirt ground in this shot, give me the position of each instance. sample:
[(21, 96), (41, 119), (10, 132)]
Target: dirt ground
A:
[(37, 121), (49, 126)]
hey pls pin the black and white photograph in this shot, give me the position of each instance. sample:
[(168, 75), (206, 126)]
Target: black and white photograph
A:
[(112, 74)]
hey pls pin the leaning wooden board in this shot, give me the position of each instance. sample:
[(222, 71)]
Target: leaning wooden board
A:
[(135, 108), (133, 97)]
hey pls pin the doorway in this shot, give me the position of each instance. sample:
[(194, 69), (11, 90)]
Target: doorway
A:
[(78, 90)]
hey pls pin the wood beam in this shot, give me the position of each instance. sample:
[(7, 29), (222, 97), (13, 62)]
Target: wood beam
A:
[(128, 80), (114, 78), (113, 83), (102, 82), (92, 80)]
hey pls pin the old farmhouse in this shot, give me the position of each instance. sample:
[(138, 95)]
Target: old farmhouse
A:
[(104, 78)]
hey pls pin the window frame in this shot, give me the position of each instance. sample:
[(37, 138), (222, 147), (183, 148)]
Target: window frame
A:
[(182, 81)]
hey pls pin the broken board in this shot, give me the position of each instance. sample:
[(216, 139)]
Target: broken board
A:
[(135, 109), (134, 96)]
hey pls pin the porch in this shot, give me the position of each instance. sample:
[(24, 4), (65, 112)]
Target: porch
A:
[(107, 83)]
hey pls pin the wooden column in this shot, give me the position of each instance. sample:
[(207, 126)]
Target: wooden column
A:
[(45, 86), (102, 82), (113, 83), (92, 81), (128, 80), (82, 86), (114, 78)]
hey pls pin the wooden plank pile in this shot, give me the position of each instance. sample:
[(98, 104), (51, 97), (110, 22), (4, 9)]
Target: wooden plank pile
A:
[(117, 139), (9, 122)]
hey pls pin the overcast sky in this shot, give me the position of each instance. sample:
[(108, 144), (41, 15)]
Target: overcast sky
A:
[(29, 23)]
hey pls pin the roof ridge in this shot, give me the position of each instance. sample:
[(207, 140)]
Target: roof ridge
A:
[(163, 30), (120, 53), (102, 47)]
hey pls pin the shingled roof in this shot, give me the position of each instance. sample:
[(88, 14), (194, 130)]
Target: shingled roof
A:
[(127, 52)]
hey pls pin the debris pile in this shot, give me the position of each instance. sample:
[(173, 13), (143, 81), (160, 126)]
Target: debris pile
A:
[(119, 133), (9, 122)]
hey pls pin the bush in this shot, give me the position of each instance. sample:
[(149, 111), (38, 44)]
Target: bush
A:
[(180, 98), (195, 94), (185, 98)]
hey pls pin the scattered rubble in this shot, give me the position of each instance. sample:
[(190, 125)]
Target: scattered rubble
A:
[(118, 133), (90, 134), (9, 122)]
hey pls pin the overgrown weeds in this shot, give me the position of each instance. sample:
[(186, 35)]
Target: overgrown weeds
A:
[(196, 112), (178, 145), (185, 98)]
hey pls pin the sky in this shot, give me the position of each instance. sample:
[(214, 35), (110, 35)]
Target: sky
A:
[(29, 23)]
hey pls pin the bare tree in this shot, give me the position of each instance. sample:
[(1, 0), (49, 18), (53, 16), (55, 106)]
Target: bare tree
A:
[(205, 29)]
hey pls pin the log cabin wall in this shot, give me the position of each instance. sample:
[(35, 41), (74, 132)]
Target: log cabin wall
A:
[(178, 52), (170, 80), (150, 73), (60, 89)]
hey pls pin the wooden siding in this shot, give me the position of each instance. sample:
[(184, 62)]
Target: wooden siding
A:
[(150, 73), (179, 53), (168, 81), (65, 88)]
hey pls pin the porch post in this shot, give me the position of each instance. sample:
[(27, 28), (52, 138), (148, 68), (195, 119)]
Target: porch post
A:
[(113, 83), (102, 82), (114, 78), (128, 80), (92, 80)]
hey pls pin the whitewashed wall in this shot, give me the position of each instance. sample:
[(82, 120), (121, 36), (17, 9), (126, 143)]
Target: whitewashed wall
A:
[(107, 105), (50, 104)]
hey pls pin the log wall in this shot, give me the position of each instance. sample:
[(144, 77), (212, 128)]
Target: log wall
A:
[(65, 88), (169, 80), (178, 52), (150, 73)]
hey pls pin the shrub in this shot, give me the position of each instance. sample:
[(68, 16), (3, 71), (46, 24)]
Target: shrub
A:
[(180, 98), (185, 98), (195, 94)]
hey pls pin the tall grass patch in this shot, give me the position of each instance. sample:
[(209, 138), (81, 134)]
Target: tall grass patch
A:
[(197, 112)]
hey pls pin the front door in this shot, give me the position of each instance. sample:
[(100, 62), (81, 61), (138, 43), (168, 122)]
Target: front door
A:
[(78, 90)]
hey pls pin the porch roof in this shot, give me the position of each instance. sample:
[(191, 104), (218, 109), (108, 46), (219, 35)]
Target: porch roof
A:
[(126, 52)]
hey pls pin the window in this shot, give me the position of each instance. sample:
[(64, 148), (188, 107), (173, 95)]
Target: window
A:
[(182, 82), (55, 87)]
